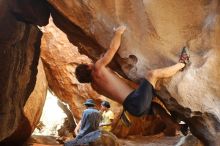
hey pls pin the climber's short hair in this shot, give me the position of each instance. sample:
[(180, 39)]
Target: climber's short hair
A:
[(83, 73)]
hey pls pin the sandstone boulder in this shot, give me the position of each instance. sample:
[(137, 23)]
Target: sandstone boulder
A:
[(60, 58), (19, 55), (98, 138), (106, 139), (32, 109), (34, 105), (156, 30)]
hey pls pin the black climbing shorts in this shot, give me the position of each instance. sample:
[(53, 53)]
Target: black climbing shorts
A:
[(138, 102)]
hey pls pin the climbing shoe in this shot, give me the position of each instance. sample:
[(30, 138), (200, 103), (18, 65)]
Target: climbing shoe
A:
[(184, 56)]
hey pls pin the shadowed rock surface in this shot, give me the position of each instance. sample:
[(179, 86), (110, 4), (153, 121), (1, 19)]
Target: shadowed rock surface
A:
[(19, 55), (32, 110)]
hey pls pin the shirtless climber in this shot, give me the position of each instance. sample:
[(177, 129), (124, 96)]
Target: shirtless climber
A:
[(137, 102)]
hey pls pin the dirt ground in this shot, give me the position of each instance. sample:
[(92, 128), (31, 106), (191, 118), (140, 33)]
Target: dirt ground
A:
[(155, 140)]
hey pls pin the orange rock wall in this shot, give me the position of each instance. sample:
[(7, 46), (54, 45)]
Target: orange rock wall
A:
[(32, 109), (60, 58)]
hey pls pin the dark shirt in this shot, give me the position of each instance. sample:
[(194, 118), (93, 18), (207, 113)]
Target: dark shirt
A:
[(89, 122)]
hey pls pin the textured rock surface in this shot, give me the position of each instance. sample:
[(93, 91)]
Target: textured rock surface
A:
[(155, 140), (32, 108), (19, 55), (156, 30), (35, 103), (106, 139), (60, 58)]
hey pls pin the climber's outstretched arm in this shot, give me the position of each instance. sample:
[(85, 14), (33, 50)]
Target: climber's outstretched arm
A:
[(115, 43)]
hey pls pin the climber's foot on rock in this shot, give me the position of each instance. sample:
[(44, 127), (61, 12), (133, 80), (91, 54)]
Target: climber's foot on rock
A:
[(184, 57)]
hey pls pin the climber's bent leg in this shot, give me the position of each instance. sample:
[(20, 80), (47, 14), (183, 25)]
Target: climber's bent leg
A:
[(154, 75)]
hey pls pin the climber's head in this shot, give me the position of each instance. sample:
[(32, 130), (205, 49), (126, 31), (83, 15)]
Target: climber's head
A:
[(83, 73)]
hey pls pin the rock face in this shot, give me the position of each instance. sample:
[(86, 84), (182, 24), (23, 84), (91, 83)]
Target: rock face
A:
[(32, 109), (105, 139), (156, 30), (34, 105), (19, 55), (60, 58)]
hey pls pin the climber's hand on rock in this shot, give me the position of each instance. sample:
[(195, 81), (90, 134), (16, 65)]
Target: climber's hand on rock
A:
[(120, 29)]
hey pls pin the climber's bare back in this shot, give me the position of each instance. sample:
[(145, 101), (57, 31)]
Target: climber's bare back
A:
[(109, 84)]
